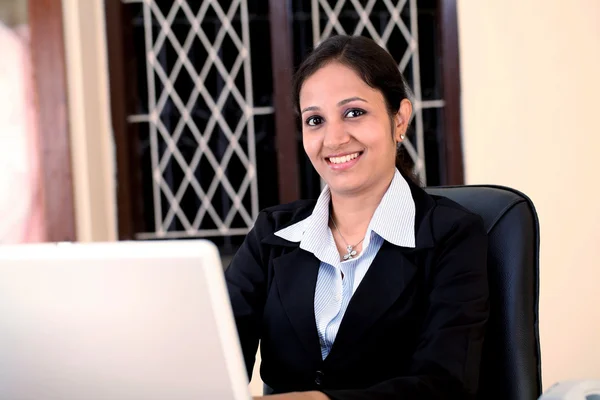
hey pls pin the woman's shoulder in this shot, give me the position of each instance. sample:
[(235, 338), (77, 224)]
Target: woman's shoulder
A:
[(437, 217), (272, 219), (448, 217)]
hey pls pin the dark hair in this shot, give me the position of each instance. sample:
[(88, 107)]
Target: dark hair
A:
[(372, 63)]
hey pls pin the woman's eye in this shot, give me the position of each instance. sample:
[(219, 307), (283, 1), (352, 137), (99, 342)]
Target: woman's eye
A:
[(354, 113), (314, 121)]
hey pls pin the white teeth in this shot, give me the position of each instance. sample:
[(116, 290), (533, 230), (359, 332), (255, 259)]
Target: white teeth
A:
[(343, 159)]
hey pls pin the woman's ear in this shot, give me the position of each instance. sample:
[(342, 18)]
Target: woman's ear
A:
[(401, 120)]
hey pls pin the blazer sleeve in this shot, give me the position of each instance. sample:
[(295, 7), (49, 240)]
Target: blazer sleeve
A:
[(447, 360), (246, 283)]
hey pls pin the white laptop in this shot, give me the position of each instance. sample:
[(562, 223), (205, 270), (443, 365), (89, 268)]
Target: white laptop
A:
[(118, 321)]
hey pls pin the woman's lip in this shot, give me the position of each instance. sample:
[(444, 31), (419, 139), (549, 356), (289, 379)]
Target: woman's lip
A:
[(344, 165)]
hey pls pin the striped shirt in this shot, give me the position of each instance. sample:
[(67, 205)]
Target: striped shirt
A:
[(393, 221)]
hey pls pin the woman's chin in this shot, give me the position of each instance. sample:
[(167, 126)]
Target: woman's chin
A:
[(345, 187)]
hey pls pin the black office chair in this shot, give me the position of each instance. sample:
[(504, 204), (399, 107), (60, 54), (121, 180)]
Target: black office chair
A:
[(511, 365)]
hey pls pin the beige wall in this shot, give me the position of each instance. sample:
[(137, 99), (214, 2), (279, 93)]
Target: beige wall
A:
[(530, 107), (89, 120)]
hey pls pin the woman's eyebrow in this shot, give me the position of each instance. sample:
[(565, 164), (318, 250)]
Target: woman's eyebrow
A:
[(311, 108), (339, 104), (348, 100)]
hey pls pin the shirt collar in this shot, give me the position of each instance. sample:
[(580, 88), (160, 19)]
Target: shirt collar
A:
[(313, 232), (393, 220)]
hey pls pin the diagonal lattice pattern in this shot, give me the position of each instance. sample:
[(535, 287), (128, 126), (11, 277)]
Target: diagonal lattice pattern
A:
[(329, 17), (164, 100)]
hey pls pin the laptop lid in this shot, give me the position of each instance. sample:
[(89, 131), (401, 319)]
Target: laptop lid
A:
[(126, 320)]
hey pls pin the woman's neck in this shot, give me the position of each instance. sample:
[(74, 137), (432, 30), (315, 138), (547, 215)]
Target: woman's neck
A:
[(352, 213)]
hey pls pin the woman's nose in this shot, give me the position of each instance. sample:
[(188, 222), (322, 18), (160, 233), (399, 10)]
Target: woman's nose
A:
[(336, 135)]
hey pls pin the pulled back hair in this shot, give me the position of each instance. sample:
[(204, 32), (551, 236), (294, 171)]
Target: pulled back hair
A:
[(372, 63)]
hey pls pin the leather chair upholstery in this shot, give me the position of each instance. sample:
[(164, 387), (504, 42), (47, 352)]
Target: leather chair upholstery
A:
[(511, 365)]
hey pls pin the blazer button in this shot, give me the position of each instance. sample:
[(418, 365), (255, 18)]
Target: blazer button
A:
[(319, 375)]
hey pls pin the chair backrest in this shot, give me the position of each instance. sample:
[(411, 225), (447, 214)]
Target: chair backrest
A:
[(511, 365)]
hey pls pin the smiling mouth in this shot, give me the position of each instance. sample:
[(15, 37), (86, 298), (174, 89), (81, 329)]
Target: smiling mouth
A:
[(343, 159)]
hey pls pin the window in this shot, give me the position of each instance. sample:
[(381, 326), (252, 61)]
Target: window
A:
[(204, 134)]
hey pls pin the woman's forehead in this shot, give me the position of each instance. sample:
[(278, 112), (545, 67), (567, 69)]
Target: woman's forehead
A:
[(336, 82)]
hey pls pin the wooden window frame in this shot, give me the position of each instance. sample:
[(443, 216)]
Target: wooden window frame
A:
[(50, 83), (122, 104), (451, 148)]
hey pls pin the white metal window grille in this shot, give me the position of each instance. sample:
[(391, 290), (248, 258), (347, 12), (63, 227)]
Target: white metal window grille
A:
[(332, 11), (159, 27)]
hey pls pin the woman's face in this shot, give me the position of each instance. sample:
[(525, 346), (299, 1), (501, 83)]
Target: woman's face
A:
[(347, 131)]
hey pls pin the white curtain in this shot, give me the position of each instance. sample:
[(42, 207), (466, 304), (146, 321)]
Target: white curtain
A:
[(20, 201)]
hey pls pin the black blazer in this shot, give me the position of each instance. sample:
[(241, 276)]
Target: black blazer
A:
[(413, 329)]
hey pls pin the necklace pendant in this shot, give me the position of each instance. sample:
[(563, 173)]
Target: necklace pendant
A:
[(351, 253)]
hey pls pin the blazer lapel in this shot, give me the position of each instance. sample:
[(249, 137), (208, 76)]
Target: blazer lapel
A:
[(296, 279), (386, 280)]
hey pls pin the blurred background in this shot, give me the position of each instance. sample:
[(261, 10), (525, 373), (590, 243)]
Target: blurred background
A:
[(163, 120)]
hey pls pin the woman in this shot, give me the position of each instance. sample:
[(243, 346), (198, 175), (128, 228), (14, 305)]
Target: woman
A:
[(376, 290)]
